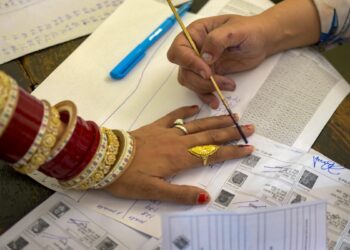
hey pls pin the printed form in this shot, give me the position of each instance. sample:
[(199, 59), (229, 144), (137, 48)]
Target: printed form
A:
[(297, 227), (61, 223), (275, 175), (144, 96), (51, 22)]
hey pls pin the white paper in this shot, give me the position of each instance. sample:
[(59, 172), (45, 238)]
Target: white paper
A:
[(152, 244), (175, 2), (30, 25), (61, 223), (276, 175), (299, 227), (151, 90), (239, 7), (299, 95)]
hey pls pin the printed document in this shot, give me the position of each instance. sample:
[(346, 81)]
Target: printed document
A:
[(30, 25), (298, 227), (61, 223)]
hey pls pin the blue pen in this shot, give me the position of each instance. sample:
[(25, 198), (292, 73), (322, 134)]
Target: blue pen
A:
[(129, 62)]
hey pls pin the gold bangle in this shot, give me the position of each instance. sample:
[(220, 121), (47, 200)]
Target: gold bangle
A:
[(109, 159), (10, 104), (5, 86), (70, 108), (125, 156), (47, 143)]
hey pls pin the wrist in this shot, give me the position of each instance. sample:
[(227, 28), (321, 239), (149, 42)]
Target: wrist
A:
[(272, 32), (290, 24)]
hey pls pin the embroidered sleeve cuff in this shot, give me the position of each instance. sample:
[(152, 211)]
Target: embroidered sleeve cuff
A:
[(335, 21)]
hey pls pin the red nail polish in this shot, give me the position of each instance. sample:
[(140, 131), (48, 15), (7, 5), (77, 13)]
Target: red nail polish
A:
[(202, 198), (249, 127), (194, 106)]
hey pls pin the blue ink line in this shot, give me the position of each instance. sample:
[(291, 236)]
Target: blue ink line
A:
[(326, 165)]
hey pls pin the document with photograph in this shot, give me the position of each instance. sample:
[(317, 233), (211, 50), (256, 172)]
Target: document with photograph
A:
[(61, 223), (274, 175)]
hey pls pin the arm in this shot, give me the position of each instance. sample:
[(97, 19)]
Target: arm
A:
[(35, 136), (290, 24), (233, 43)]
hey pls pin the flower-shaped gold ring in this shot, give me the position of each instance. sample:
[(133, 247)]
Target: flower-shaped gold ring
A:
[(204, 152)]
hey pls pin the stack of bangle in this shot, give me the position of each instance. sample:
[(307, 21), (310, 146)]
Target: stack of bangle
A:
[(76, 147), (105, 164), (83, 156), (125, 156)]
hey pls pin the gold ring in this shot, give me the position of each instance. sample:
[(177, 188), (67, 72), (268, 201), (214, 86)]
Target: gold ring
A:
[(178, 122), (204, 152), (182, 128)]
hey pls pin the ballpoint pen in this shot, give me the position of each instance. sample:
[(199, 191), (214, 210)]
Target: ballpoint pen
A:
[(212, 79), (131, 60)]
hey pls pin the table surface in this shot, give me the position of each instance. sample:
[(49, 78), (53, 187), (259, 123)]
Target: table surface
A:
[(19, 194)]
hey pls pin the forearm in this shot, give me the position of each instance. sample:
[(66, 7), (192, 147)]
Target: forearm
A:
[(290, 24)]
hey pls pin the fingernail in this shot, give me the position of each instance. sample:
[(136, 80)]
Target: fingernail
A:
[(249, 127), (214, 105), (203, 198), (229, 86), (194, 106), (203, 75), (207, 57), (249, 147)]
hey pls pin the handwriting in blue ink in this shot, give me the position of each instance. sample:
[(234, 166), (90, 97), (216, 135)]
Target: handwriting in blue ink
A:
[(326, 165)]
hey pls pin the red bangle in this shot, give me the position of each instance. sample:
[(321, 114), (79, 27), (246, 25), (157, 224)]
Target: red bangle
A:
[(22, 129), (90, 152), (79, 149)]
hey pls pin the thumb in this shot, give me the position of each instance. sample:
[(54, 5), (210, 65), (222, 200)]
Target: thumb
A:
[(217, 41), (182, 194)]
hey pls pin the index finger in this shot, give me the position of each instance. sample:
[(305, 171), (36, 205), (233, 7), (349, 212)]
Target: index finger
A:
[(182, 54)]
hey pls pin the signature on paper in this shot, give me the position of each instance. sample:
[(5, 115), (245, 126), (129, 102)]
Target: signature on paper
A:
[(78, 223), (326, 165)]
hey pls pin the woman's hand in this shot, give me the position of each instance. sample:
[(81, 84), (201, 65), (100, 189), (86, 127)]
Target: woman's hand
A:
[(162, 152), (228, 44)]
